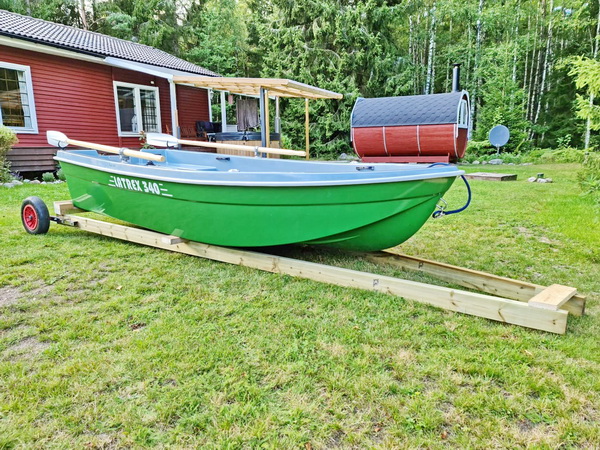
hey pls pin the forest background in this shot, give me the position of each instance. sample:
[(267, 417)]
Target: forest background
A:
[(520, 59)]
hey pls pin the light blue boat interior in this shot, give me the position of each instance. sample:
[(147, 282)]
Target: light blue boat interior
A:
[(211, 168)]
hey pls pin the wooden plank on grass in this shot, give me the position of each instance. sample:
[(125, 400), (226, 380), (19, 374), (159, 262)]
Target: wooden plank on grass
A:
[(490, 307), (488, 176), (474, 279), (553, 297)]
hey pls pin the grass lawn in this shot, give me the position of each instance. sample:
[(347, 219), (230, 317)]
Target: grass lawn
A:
[(108, 344)]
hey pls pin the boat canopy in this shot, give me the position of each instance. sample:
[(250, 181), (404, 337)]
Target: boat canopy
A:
[(280, 87), (262, 88)]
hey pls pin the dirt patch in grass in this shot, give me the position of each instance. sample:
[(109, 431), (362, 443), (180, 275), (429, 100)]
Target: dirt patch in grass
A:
[(28, 348), (9, 295), (530, 234), (39, 291)]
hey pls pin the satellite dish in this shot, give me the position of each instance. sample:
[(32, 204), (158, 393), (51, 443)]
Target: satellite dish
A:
[(499, 136)]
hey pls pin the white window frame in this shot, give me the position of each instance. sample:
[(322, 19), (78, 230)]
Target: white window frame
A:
[(463, 113), (138, 107), (29, 85)]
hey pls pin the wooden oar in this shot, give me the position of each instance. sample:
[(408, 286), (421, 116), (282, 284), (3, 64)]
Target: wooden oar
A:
[(58, 139), (166, 140)]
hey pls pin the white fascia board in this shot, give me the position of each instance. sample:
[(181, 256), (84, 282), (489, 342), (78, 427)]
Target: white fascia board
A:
[(49, 50), (143, 68)]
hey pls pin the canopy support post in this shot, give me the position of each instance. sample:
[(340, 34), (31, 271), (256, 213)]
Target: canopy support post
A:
[(174, 112), (267, 119), (261, 101), (223, 112), (277, 117), (209, 93), (306, 125)]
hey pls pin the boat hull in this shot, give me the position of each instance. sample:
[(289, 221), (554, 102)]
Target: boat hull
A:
[(362, 217)]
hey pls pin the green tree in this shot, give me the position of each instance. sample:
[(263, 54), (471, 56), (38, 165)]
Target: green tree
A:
[(216, 36), (587, 76)]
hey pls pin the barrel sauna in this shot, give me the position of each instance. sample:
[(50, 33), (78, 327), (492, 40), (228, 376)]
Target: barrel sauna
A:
[(414, 128)]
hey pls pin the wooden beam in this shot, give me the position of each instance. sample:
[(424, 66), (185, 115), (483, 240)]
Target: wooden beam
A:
[(242, 147), (277, 117), (490, 176), (306, 130), (65, 206), (294, 93), (553, 297), (267, 120), (473, 279), (171, 240), (261, 107), (250, 86), (223, 112), (494, 308), (406, 159)]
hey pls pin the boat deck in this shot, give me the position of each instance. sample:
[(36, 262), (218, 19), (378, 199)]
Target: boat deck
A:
[(210, 168)]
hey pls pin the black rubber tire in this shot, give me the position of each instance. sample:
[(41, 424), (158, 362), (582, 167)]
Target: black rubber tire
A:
[(35, 216)]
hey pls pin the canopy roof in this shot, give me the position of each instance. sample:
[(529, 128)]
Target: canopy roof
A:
[(280, 87)]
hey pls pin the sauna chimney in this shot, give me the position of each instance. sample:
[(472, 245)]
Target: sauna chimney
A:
[(456, 78)]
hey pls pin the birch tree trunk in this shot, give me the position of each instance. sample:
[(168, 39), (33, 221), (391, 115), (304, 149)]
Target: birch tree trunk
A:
[(82, 14), (411, 50), (595, 55), (516, 44), (530, 83), (525, 68), (547, 62), (476, 64), (535, 86), (431, 53)]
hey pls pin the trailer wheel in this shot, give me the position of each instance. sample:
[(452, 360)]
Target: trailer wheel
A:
[(35, 216)]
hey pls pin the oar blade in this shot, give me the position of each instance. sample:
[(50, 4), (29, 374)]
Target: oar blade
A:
[(57, 139), (161, 140)]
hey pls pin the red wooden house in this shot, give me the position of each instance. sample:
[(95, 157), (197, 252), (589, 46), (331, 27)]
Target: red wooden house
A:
[(90, 86)]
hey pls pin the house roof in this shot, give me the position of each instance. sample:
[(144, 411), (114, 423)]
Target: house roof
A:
[(430, 109), (82, 41)]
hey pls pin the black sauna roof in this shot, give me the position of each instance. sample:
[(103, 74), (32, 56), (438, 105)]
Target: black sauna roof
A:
[(430, 109)]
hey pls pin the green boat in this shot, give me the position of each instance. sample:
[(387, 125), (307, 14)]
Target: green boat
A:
[(239, 201)]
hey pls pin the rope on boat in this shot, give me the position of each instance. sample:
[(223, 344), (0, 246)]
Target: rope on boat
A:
[(441, 212)]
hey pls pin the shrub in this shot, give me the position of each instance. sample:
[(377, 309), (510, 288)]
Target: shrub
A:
[(48, 177), (563, 155), (144, 141), (478, 148), (60, 174), (507, 158), (589, 177), (8, 138)]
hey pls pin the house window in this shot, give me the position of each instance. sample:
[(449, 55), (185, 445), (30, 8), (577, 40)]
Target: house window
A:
[(137, 109), (17, 109), (463, 114)]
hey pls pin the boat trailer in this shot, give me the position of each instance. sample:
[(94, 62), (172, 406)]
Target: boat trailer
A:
[(499, 298)]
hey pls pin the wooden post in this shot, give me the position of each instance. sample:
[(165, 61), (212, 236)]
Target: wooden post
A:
[(267, 120), (223, 113), (177, 129), (261, 101), (277, 117), (306, 124), (174, 111), (209, 93)]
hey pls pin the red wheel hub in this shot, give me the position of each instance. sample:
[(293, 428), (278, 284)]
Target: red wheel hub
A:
[(30, 217)]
